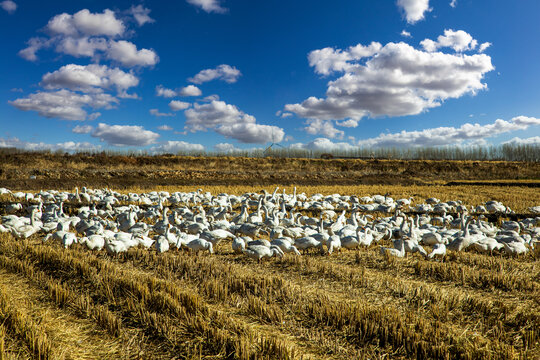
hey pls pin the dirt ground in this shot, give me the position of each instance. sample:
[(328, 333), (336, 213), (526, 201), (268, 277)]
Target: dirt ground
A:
[(42, 170)]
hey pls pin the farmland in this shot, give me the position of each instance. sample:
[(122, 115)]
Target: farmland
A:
[(73, 303)]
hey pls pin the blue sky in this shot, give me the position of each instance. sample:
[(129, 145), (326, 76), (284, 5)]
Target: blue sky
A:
[(237, 74)]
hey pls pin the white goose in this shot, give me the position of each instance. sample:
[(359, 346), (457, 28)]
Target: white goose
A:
[(258, 252), (200, 245), (439, 250), (93, 242), (393, 251), (285, 245)]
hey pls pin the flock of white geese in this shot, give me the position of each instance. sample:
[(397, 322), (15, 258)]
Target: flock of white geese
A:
[(263, 225)]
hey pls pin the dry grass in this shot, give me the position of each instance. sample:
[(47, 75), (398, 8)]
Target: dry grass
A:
[(351, 305), (43, 170)]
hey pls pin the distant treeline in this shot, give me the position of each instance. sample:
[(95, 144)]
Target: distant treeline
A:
[(506, 152)]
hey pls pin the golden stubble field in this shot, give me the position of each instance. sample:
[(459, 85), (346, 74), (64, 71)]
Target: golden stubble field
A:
[(77, 304)]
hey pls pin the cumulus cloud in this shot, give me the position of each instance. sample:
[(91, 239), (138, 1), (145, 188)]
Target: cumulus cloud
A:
[(323, 144), (210, 98), (216, 113), (225, 148), (87, 34), (89, 78), (64, 104), (34, 45), (82, 129), (32, 146), (458, 40), (535, 140), (164, 128), (8, 6), (176, 147), (156, 113), (176, 105), (329, 60), (124, 135), (141, 14), (443, 136), (414, 10), (453, 3), (86, 23), (208, 5), (392, 80), (127, 54), (164, 92), (252, 133), (484, 46), (322, 127), (230, 122), (351, 123), (224, 72), (82, 46), (406, 34), (190, 90)]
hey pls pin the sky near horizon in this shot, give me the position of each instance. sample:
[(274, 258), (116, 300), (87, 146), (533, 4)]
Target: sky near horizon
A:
[(221, 75)]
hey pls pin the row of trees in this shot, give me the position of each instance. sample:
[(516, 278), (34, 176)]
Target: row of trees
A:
[(506, 152)]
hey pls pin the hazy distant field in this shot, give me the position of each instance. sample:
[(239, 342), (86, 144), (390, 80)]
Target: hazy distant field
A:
[(74, 303)]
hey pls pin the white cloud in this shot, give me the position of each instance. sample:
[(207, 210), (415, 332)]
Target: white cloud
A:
[(89, 78), (93, 116), (414, 9), (124, 135), (323, 144), (286, 115), (225, 148), (86, 34), (329, 60), (351, 123), (453, 3), (224, 72), (34, 45), (156, 113), (31, 146), (86, 23), (127, 54), (395, 80), (176, 105), (164, 128), (535, 140), (228, 121), (252, 133), (82, 129), (326, 128), (81, 46), (140, 14), (209, 5), (443, 136), (406, 34), (216, 113), (177, 146), (9, 6), (190, 90), (164, 92), (64, 104), (458, 40), (210, 98), (484, 46)]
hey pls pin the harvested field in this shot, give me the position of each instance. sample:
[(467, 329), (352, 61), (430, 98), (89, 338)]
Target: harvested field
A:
[(73, 303), (41, 170)]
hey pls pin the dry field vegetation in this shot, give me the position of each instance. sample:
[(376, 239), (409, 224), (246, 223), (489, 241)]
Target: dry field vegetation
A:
[(58, 303)]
